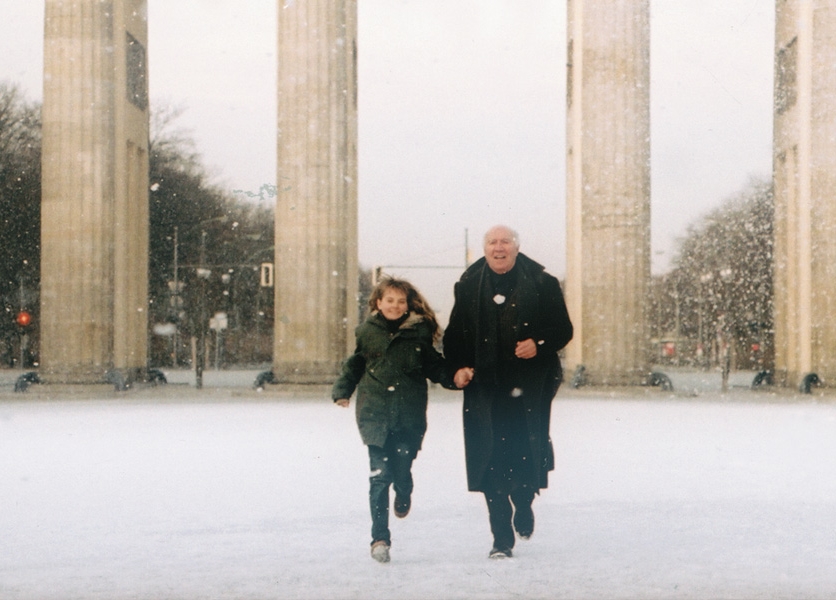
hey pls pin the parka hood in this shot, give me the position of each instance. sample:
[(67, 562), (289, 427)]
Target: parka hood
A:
[(411, 320)]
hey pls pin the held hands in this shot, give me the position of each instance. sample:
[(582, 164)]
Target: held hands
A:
[(526, 349), (463, 377), (343, 402)]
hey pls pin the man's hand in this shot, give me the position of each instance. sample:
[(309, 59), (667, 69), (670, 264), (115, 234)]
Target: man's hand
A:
[(344, 402), (526, 349), (463, 377)]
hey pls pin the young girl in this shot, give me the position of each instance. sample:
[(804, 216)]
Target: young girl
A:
[(389, 368)]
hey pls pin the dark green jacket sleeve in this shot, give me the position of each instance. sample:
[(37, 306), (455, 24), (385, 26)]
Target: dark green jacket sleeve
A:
[(438, 370), (352, 370)]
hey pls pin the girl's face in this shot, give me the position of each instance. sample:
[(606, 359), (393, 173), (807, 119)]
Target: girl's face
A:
[(393, 304)]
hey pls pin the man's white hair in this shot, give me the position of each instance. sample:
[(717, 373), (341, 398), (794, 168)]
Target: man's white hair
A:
[(514, 235)]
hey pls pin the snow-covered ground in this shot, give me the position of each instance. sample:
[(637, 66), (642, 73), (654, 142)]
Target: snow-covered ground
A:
[(176, 493)]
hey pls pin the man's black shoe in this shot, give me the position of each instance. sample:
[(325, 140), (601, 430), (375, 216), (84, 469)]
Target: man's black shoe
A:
[(524, 522), (500, 553)]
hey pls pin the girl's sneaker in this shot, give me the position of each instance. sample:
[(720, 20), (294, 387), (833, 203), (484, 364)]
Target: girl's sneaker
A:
[(402, 505), (380, 551)]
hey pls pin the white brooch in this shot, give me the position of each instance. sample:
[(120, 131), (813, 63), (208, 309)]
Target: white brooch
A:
[(499, 299)]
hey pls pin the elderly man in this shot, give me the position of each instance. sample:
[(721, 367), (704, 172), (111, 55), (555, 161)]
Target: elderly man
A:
[(506, 327)]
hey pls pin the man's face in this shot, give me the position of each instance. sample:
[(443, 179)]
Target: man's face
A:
[(500, 250)]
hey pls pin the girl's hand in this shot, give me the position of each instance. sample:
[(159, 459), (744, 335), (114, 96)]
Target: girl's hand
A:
[(463, 377), (344, 402)]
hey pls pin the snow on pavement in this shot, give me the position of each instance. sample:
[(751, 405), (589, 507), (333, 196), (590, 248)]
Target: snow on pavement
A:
[(176, 493)]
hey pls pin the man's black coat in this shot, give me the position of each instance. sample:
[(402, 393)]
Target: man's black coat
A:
[(536, 310)]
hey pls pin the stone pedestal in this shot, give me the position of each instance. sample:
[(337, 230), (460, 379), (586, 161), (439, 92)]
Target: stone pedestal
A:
[(608, 189), (804, 172), (316, 207), (94, 232)]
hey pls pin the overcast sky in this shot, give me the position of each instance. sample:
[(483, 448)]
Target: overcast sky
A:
[(462, 112)]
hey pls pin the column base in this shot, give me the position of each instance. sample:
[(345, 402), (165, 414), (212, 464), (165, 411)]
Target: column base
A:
[(313, 372), (121, 379)]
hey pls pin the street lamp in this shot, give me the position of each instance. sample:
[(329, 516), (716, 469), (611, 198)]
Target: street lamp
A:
[(726, 275), (203, 273), (705, 280)]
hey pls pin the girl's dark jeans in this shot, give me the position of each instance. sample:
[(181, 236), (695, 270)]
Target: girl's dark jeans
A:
[(390, 465)]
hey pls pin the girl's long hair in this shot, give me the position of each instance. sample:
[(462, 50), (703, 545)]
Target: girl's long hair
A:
[(415, 302)]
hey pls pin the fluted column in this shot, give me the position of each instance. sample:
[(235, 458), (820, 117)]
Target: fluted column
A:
[(608, 188), (804, 176), (316, 207), (94, 218)]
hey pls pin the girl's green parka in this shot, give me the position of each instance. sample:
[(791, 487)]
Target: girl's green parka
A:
[(389, 371)]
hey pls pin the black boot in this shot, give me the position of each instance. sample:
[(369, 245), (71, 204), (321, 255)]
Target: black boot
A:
[(523, 515)]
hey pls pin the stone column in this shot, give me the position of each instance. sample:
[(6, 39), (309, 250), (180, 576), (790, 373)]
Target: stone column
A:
[(804, 175), (94, 217), (316, 208), (608, 189)]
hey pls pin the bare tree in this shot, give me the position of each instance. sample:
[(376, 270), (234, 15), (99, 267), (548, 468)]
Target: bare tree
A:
[(20, 216), (720, 289)]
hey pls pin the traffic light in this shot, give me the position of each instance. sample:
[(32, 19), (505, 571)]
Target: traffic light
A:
[(266, 274)]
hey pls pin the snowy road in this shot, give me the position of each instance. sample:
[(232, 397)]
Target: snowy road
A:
[(176, 493)]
